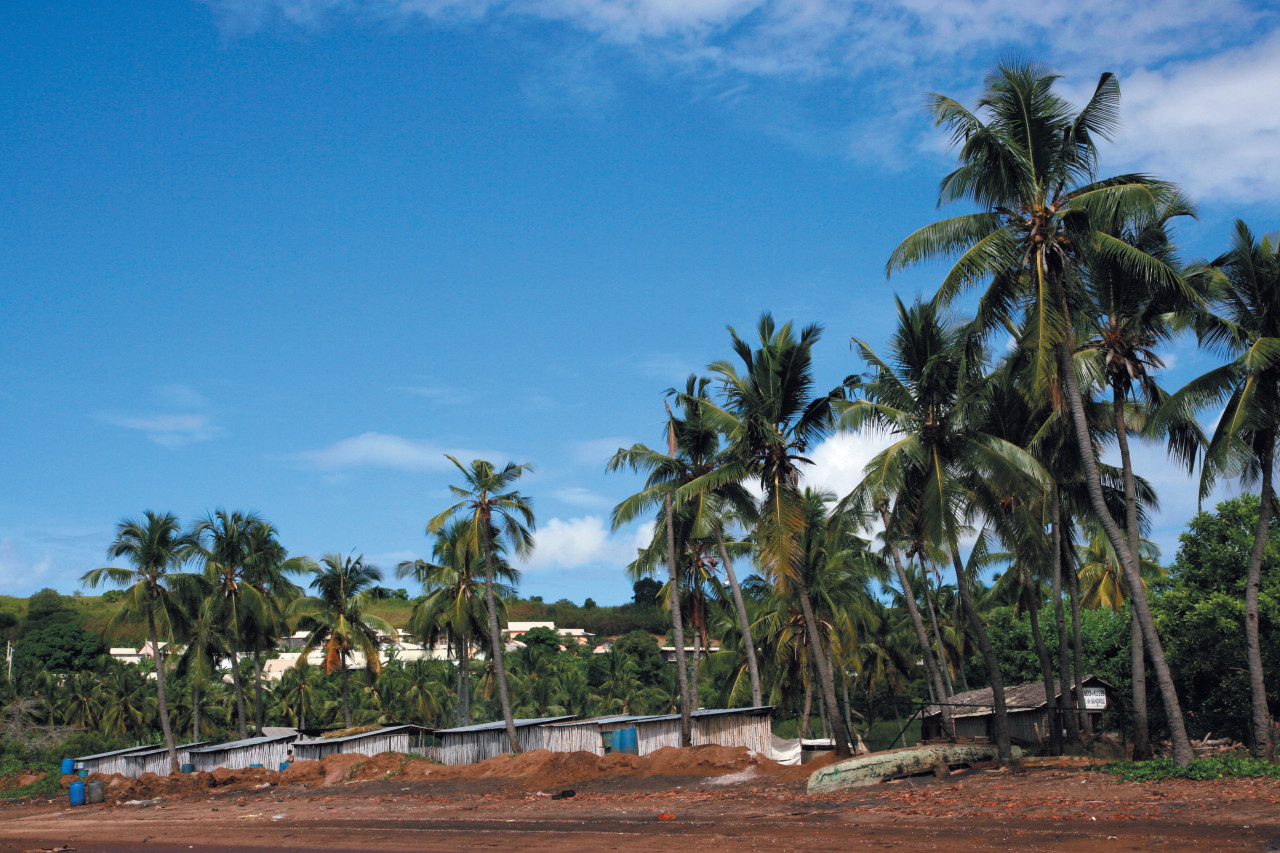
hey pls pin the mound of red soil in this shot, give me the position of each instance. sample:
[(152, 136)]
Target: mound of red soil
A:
[(310, 773), (337, 765)]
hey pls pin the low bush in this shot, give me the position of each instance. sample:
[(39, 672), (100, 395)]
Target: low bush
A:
[(11, 773), (1217, 767)]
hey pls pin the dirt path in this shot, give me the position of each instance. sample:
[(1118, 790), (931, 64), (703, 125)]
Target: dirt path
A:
[(1032, 810)]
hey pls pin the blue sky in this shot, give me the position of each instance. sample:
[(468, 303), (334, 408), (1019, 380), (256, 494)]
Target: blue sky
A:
[(283, 254)]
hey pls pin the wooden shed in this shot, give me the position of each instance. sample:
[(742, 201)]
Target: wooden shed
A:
[(748, 727), (270, 751), (580, 735), (1028, 709), (470, 744), (156, 759), (110, 762), (402, 739)]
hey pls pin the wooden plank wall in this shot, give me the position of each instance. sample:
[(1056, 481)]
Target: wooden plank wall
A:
[(270, 755), (374, 744)]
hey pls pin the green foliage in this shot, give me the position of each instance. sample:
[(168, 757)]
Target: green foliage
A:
[(1202, 769), (56, 645), (1199, 612), (643, 650), (45, 605), (11, 771), (645, 592), (541, 637)]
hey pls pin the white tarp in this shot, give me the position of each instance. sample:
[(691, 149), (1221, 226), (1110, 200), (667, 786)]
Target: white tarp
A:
[(786, 750)]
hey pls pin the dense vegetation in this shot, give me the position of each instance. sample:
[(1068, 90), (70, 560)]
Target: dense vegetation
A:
[(990, 544)]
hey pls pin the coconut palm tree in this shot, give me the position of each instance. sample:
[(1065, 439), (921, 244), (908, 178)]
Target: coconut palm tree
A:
[(154, 546), (267, 569), (453, 605), (496, 515), (943, 470), (1028, 159), (1104, 585), (336, 617), (1245, 326), (770, 416), (225, 543)]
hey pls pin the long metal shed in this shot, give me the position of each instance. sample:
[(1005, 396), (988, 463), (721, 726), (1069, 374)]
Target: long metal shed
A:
[(402, 739), (156, 759), (110, 762), (238, 754), (748, 727), (470, 744)]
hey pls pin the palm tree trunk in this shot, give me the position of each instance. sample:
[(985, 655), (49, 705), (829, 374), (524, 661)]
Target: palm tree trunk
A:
[(1000, 715), (848, 711), (1068, 719), (162, 701), (1077, 653), (695, 669), (195, 708), (260, 711), (944, 667), (238, 686), (495, 642), (1141, 729), (744, 622), (1182, 754), (461, 710), (677, 624), (807, 707), (909, 596), (346, 692), (1253, 585), (826, 682), (1046, 671)]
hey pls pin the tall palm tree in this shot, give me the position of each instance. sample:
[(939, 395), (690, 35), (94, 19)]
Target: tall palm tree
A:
[(697, 451), (942, 470), (1245, 326), (336, 618), (495, 515), (770, 416), (226, 541), (453, 605), (267, 569), (154, 546), (1029, 161)]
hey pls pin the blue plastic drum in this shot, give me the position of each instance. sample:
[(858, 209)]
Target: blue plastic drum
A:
[(68, 766), (77, 793), (624, 740)]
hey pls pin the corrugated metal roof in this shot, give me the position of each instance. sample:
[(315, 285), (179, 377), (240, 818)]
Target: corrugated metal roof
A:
[(154, 749), (616, 718), (704, 712), (240, 744), (145, 747), (375, 733), (499, 724)]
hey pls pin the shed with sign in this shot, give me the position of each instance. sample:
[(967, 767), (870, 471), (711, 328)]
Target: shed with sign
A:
[(1028, 711)]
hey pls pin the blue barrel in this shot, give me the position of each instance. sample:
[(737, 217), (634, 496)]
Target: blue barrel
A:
[(607, 737), (255, 765), (77, 793), (624, 740), (68, 766), (82, 772), (284, 765), (188, 768)]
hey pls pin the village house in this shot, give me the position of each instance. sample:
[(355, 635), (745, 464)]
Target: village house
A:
[(1028, 711)]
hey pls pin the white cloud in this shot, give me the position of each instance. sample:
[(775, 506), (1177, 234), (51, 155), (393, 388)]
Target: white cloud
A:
[(380, 450), (1210, 125), (567, 544), (18, 571), (838, 462), (170, 430), (1200, 79)]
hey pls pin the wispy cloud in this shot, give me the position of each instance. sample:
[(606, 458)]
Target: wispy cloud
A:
[(169, 430), (578, 496), (596, 452), (184, 418), (1199, 77), (380, 450)]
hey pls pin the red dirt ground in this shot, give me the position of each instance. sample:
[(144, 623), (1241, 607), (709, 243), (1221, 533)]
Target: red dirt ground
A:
[(707, 798)]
